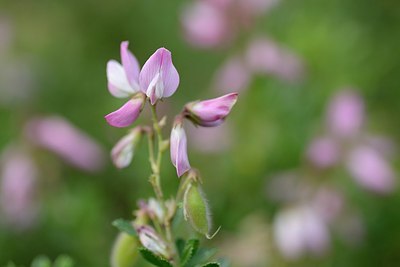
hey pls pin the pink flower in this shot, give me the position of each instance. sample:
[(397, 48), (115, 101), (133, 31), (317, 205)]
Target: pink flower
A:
[(205, 24), (346, 114), (123, 81), (323, 152), (178, 146), (150, 240), (300, 230), (18, 179), (371, 170), (123, 152), (59, 136), (212, 112), (233, 76), (128, 113), (159, 77), (263, 56)]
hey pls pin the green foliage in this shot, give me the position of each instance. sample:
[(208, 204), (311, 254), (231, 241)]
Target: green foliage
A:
[(125, 226), (41, 261), (211, 264), (189, 251), (154, 259), (124, 252)]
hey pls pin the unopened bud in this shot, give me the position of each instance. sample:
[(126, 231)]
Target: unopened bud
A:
[(124, 252), (178, 147), (196, 209), (123, 151), (212, 112), (150, 240)]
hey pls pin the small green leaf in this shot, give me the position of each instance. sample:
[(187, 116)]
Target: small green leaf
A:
[(203, 255), (154, 259), (41, 261), (63, 261), (189, 251), (180, 245), (211, 264), (125, 226)]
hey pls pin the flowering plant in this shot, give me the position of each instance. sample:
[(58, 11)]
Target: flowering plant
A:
[(151, 229)]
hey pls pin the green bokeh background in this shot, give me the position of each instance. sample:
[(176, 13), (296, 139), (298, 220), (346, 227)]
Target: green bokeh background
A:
[(68, 42)]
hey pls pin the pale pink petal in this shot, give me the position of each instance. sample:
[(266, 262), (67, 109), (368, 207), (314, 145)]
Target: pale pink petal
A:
[(159, 78), (130, 65), (118, 83), (346, 113), (178, 146), (123, 152), (127, 114), (371, 170)]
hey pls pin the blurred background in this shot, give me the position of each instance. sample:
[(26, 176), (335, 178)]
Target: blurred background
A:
[(303, 172)]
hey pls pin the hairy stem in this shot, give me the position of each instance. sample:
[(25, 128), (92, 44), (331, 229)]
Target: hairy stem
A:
[(155, 178)]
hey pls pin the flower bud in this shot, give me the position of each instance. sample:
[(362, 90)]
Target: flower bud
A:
[(178, 146), (124, 252), (150, 240), (196, 209), (122, 153), (212, 112)]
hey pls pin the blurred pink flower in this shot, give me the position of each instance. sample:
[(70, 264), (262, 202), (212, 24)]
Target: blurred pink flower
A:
[(205, 24), (264, 56), (323, 152), (346, 114), (300, 230), (233, 76), (329, 203), (59, 136), (17, 188), (370, 169)]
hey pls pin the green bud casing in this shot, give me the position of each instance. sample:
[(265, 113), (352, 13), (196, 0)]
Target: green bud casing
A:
[(196, 209), (124, 252)]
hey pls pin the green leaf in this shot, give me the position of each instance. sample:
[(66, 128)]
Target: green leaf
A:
[(211, 264), (125, 226), (180, 245), (11, 264), (41, 261), (203, 255), (154, 259), (189, 251), (223, 262), (63, 261)]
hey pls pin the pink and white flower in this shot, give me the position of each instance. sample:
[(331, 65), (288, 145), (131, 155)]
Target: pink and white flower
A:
[(159, 77), (123, 81), (212, 112), (178, 146)]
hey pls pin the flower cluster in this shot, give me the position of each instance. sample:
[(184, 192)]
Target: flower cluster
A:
[(159, 79)]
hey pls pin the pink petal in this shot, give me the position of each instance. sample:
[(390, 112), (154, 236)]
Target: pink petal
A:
[(130, 65), (118, 83), (371, 170), (346, 113), (178, 146), (127, 114), (159, 78)]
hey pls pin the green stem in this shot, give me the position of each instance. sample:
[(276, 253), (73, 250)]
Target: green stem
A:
[(155, 178)]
